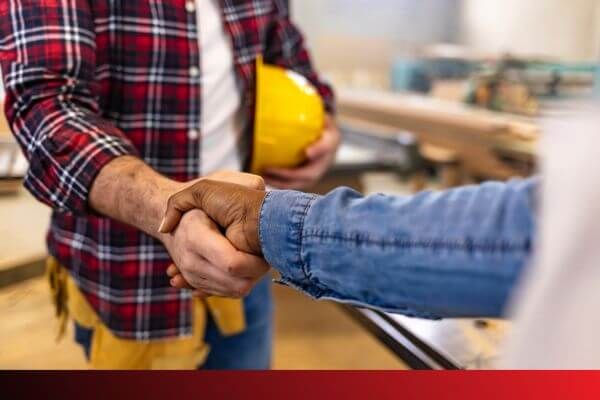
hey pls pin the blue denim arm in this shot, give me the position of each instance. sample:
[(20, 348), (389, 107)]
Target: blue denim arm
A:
[(456, 253)]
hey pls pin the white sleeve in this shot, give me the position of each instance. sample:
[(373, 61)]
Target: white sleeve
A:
[(557, 320)]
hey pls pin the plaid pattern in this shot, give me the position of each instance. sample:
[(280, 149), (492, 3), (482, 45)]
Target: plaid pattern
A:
[(89, 80)]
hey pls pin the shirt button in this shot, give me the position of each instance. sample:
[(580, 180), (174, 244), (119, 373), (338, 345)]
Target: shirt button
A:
[(194, 72), (190, 6), (193, 134)]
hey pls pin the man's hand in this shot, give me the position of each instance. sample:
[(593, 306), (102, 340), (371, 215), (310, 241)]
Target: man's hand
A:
[(234, 207), (128, 190), (320, 156), (208, 262), (228, 269)]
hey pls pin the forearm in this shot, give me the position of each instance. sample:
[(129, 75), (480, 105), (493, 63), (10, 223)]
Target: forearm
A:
[(450, 254), (128, 190)]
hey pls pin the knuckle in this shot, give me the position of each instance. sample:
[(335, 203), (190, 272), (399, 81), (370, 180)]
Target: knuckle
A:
[(226, 262), (232, 269), (258, 182), (198, 189), (234, 266)]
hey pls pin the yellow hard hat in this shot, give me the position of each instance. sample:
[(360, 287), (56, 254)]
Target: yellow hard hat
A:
[(289, 117)]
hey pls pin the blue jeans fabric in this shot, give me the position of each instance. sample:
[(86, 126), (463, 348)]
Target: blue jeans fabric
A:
[(250, 350), (455, 253)]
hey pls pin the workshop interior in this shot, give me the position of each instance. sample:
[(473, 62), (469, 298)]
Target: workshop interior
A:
[(430, 95)]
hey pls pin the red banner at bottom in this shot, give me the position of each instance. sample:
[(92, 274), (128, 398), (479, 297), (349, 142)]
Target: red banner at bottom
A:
[(301, 385)]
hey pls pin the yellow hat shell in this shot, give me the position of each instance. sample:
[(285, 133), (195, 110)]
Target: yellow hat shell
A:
[(289, 117)]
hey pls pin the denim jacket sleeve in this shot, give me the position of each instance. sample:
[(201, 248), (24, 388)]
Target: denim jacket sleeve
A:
[(456, 253)]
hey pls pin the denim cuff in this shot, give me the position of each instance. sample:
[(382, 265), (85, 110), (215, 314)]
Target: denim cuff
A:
[(280, 229)]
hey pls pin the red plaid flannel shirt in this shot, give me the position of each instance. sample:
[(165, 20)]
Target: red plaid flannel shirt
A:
[(90, 80)]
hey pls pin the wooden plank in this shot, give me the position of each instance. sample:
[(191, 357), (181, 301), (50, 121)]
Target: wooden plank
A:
[(441, 122)]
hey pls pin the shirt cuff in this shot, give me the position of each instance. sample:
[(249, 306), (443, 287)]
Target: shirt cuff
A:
[(72, 177), (280, 230)]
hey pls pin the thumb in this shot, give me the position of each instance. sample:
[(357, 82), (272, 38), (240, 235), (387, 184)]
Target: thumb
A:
[(177, 205), (250, 181), (212, 197)]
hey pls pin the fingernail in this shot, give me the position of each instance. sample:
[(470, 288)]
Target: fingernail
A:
[(162, 226), (172, 282)]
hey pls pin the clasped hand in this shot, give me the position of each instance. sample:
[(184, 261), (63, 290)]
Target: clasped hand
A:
[(211, 232)]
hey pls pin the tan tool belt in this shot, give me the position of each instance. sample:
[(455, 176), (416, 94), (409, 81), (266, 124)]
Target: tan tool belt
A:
[(110, 352)]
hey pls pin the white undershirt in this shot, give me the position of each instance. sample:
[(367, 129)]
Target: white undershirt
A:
[(222, 119)]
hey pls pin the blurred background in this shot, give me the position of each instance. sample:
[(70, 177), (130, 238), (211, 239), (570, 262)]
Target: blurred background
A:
[(359, 41), (431, 94)]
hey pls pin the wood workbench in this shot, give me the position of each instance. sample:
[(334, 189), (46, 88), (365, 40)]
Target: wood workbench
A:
[(478, 137)]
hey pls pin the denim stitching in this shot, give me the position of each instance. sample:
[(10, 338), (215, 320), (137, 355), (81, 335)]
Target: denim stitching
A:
[(466, 245), (261, 218), (305, 268)]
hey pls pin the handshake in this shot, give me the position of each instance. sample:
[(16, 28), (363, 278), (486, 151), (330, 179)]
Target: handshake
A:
[(211, 231)]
